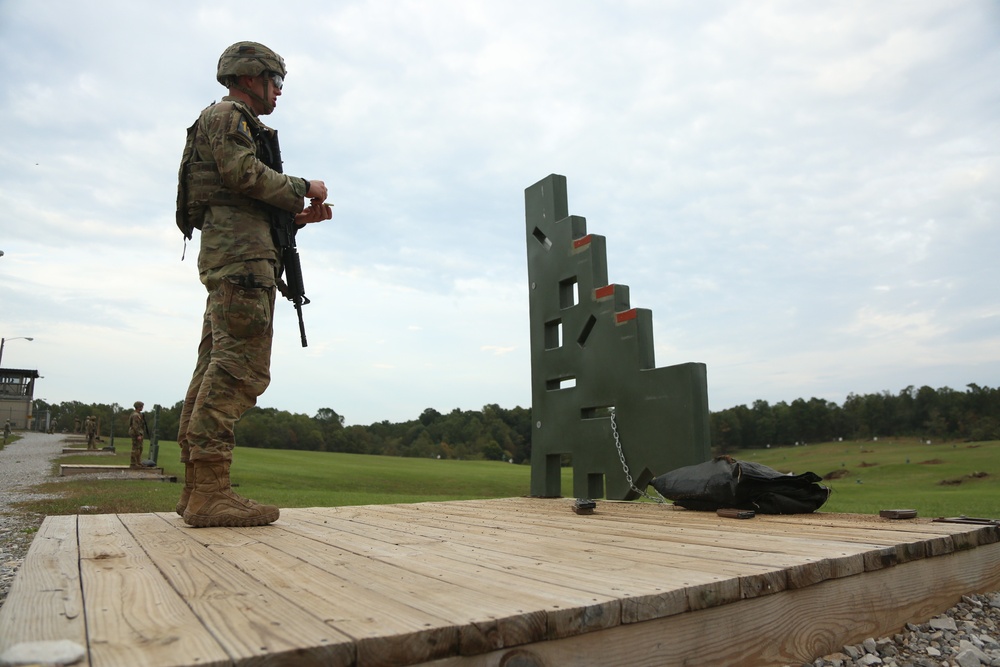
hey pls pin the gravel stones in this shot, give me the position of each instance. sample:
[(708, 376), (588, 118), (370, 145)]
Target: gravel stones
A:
[(967, 635), (23, 464)]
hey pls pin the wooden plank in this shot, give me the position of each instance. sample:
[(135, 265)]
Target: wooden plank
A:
[(386, 630), (660, 588), (890, 543), (130, 606), (848, 527), (632, 549), (794, 627), (490, 609), (719, 540), (759, 572), (90, 468), (45, 602), (250, 621)]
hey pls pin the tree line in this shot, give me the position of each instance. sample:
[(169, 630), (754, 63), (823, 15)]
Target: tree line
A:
[(932, 414), (495, 433)]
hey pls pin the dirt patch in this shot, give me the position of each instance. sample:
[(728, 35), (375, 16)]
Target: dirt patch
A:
[(958, 480), (931, 462), (865, 464), (837, 474)]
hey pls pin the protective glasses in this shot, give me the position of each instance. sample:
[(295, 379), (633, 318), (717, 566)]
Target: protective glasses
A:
[(276, 79)]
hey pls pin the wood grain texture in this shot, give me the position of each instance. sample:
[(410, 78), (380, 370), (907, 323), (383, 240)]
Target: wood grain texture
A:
[(45, 602), (487, 582)]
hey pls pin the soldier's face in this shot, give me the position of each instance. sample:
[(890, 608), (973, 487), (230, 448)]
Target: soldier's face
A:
[(265, 86)]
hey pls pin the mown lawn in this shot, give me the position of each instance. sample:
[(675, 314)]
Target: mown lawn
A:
[(946, 479), (294, 479), (941, 479)]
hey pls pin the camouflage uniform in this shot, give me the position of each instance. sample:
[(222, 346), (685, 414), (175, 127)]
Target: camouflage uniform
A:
[(91, 429), (136, 429), (231, 185), (238, 264)]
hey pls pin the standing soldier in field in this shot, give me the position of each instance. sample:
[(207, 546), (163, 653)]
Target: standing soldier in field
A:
[(90, 428), (232, 188), (137, 429)]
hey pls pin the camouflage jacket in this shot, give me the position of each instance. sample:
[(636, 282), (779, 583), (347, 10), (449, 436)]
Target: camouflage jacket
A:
[(136, 423), (232, 137)]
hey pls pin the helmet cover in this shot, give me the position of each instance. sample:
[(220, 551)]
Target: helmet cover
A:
[(248, 59)]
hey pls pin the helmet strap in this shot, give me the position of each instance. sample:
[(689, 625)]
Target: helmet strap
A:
[(264, 102)]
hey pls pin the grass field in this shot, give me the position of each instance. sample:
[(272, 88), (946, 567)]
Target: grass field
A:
[(946, 479), (937, 480), (295, 479)]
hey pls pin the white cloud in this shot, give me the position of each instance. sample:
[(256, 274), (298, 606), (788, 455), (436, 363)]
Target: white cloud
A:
[(805, 195)]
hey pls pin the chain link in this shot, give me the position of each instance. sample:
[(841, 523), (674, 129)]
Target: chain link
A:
[(628, 475)]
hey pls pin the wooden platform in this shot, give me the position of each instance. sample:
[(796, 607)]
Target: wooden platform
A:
[(514, 582), (90, 468), (84, 450)]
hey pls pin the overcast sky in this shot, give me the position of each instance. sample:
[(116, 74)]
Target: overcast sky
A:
[(806, 195)]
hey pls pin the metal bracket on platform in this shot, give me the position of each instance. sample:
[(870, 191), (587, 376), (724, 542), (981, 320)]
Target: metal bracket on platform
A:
[(968, 519)]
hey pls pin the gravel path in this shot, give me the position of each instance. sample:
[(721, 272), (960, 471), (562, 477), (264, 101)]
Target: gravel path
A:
[(23, 464)]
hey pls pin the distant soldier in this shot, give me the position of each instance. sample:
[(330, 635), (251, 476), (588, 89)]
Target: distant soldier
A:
[(6, 431), (76, 425), (90, 428), (137, 429)]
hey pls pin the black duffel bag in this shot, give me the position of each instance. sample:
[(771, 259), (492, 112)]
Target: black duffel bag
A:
[(725, 482)]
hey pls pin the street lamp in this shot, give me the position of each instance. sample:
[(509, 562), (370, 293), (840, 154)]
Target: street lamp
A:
[(3, 341)]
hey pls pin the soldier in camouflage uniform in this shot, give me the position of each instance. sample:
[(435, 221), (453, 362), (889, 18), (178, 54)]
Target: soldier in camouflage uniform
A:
[(137, 429), (90, 427), (230, 185)]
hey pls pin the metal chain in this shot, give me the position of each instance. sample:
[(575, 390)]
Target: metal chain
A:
[(628, 475)]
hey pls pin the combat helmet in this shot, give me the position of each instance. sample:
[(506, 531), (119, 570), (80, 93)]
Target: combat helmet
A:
[(138, 405), (247, 59)]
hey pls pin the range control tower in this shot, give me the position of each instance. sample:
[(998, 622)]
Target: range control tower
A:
[(592, 367)]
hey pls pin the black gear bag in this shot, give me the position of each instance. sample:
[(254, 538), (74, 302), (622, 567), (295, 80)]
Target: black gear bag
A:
[(725, 482)]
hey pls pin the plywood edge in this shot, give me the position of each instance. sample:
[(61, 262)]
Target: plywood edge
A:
[(794, 627), (45, 602)]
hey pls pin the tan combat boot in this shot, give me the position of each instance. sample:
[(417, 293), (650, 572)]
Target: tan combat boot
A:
[(213, 502), (188, 486)]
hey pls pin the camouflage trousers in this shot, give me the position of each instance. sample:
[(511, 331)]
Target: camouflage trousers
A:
[(234, 358), (136, 449)]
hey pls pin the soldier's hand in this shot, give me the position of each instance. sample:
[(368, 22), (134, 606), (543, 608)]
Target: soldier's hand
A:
[(317, 190), (315, 212)]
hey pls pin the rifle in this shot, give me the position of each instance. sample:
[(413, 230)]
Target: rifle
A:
[(283, 231)]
